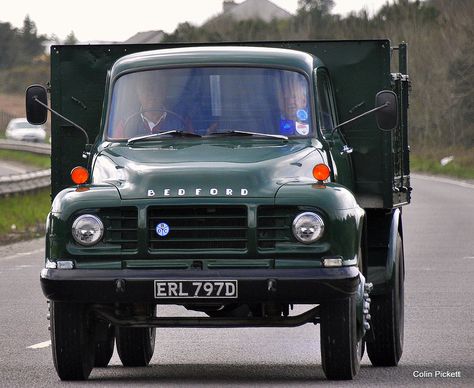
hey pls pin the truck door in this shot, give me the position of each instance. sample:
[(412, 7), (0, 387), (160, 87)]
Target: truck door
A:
[(327, 117)]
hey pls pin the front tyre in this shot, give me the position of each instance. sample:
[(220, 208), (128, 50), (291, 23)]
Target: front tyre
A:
[(387, 322), (135, 346), (72, 338), (341, 350)]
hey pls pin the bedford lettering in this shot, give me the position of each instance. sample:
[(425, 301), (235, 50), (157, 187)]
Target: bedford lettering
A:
[(180, 192)]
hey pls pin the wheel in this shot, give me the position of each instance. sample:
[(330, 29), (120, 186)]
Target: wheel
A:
[(72, 338), (104, 344), (387, 322), (135, 346), (341, 350)]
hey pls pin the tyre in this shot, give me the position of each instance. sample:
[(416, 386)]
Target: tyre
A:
[(104, 344), (341, 350), (135, 346), (72, 339), (387, 311)]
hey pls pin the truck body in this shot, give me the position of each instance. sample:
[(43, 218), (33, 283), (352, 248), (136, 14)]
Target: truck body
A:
[(245, 199)]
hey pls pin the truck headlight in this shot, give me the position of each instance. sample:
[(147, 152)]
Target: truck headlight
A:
[(87, 229), (308, 227)]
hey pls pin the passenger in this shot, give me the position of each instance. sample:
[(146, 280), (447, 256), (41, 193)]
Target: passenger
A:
[(294, 106)]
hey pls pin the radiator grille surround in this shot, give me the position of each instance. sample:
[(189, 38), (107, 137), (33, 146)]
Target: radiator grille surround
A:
[(199, 227)]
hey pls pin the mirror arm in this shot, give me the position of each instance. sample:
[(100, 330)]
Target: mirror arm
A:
[(358, 117), (64, 118)]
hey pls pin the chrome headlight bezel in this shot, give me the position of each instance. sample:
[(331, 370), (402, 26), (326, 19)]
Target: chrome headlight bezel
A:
[(76, 234), (313, 219)]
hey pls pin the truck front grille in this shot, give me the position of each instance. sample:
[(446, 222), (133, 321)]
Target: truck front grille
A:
[(121, 226), (198, 227), (274, 225)]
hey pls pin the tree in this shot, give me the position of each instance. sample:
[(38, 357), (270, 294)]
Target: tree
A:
[(31, 43), (462, 103), (323, 7), (314, 19), (22, 59), (71, 38), (8, 45)]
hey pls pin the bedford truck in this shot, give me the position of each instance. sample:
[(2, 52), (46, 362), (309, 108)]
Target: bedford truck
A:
[(257, 184)]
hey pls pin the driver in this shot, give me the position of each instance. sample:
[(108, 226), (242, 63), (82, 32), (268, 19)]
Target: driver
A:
[(151, 91), (153, 116)]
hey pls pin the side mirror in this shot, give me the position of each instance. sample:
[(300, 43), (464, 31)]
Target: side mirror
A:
[(35, 112), (387, 117)]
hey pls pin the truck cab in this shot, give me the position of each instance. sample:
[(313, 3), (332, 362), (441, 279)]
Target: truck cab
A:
[(236, 180)]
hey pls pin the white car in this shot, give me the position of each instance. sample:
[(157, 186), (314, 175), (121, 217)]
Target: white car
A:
[(21, 129)]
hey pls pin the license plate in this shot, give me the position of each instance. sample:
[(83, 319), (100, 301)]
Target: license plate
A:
[(196, 289)]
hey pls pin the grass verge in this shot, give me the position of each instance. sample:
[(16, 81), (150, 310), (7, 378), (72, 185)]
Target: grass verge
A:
[(429, 161), (23, 216), (42, 161)]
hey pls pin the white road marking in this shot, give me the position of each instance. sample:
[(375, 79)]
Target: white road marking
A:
[(430, 178), (41, 345), (20, 254)]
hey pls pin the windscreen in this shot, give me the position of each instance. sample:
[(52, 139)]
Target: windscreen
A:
[(24, 124), (210, 100)]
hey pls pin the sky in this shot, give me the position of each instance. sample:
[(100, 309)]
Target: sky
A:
[(118, 20)]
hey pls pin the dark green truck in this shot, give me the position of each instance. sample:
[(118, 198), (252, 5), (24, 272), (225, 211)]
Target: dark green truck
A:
[(218, 177)]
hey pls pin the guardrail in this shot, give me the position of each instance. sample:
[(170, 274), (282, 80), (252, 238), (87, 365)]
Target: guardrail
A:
[(35, 148), (28, 181)]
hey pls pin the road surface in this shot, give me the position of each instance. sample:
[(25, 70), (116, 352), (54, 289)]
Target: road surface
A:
[(439, 321), (7, 168)]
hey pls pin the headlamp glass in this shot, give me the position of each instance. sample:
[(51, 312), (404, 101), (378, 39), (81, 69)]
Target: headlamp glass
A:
[(87, 229), (308, 227)]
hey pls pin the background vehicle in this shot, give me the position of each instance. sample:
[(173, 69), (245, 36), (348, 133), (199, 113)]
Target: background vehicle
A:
[(278, 180), (21, 129)]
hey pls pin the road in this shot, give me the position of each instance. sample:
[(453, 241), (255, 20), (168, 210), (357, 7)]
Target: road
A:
[(7, 168), (439, 328)]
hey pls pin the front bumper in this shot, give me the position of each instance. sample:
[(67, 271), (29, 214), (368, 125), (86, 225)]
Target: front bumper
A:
[(312, 286)]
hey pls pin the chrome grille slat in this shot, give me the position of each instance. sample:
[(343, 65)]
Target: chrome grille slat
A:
[(121, 226), (274, 225)]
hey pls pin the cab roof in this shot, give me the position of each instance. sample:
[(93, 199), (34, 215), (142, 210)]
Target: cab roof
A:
[(215, 56)]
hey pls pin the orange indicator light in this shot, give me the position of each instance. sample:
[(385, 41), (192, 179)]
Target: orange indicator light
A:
[(79, 175), (321, 172)]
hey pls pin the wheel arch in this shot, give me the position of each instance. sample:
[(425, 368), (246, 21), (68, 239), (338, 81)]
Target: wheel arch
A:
[(384, 239)]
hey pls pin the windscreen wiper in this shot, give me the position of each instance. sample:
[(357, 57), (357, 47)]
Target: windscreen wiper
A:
[(248, 133), (173, 132)]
